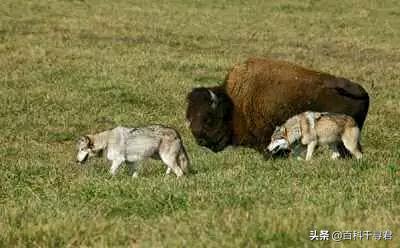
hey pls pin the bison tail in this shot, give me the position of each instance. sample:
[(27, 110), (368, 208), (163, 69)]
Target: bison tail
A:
[(356, 93)]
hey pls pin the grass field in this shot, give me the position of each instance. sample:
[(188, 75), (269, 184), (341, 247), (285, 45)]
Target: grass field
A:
[(69, 68)]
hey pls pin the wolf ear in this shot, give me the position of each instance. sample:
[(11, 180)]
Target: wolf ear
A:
[(82, 139), (317, 115), (91, 145), (87, 140)]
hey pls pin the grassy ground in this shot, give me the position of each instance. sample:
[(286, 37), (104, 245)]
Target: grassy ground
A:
[(69, 68)]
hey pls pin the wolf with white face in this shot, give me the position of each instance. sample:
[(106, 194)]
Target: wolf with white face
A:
[(132, 145), (310, 129), (84, 148), (278, 140)]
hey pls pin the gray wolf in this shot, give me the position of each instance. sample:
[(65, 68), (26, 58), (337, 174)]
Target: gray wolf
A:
[(131, 145), (314, 128), (261, 93)]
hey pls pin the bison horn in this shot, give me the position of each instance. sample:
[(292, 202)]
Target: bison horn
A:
[(187, 122), (214, 99)]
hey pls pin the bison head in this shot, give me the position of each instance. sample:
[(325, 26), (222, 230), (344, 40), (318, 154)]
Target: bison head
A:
[(209, 117)]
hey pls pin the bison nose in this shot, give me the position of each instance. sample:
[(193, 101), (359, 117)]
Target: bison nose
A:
[(201, 142), (198, 133)]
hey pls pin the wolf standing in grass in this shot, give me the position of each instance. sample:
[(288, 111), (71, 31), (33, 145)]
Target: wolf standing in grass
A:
[(132, 145), (315, 128)]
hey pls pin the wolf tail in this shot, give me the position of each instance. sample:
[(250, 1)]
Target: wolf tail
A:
[(183, 160)]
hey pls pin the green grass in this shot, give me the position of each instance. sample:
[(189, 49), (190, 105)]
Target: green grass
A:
[(69, 68)]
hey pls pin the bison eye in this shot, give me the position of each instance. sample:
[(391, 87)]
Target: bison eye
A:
[(209, 121)]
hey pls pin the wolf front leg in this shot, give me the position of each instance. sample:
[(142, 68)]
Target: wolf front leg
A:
[(298, 151), (115, 165), (310, 149)]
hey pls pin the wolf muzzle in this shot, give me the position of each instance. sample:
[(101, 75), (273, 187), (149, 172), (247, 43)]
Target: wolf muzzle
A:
[(277, 145), (82, 159)]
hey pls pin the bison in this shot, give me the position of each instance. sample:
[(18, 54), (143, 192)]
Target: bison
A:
[(262, 93)]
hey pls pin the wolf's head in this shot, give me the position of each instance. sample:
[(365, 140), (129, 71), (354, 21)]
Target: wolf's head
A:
[(85, 149), (279, 140)]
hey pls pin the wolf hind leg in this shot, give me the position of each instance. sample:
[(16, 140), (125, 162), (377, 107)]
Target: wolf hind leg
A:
[(169, 155), (172, 164), (133, 169), (335, 151), (351, 139), (344, 153)]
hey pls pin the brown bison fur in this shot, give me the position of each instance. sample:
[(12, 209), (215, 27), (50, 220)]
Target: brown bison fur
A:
[(260, 94)]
